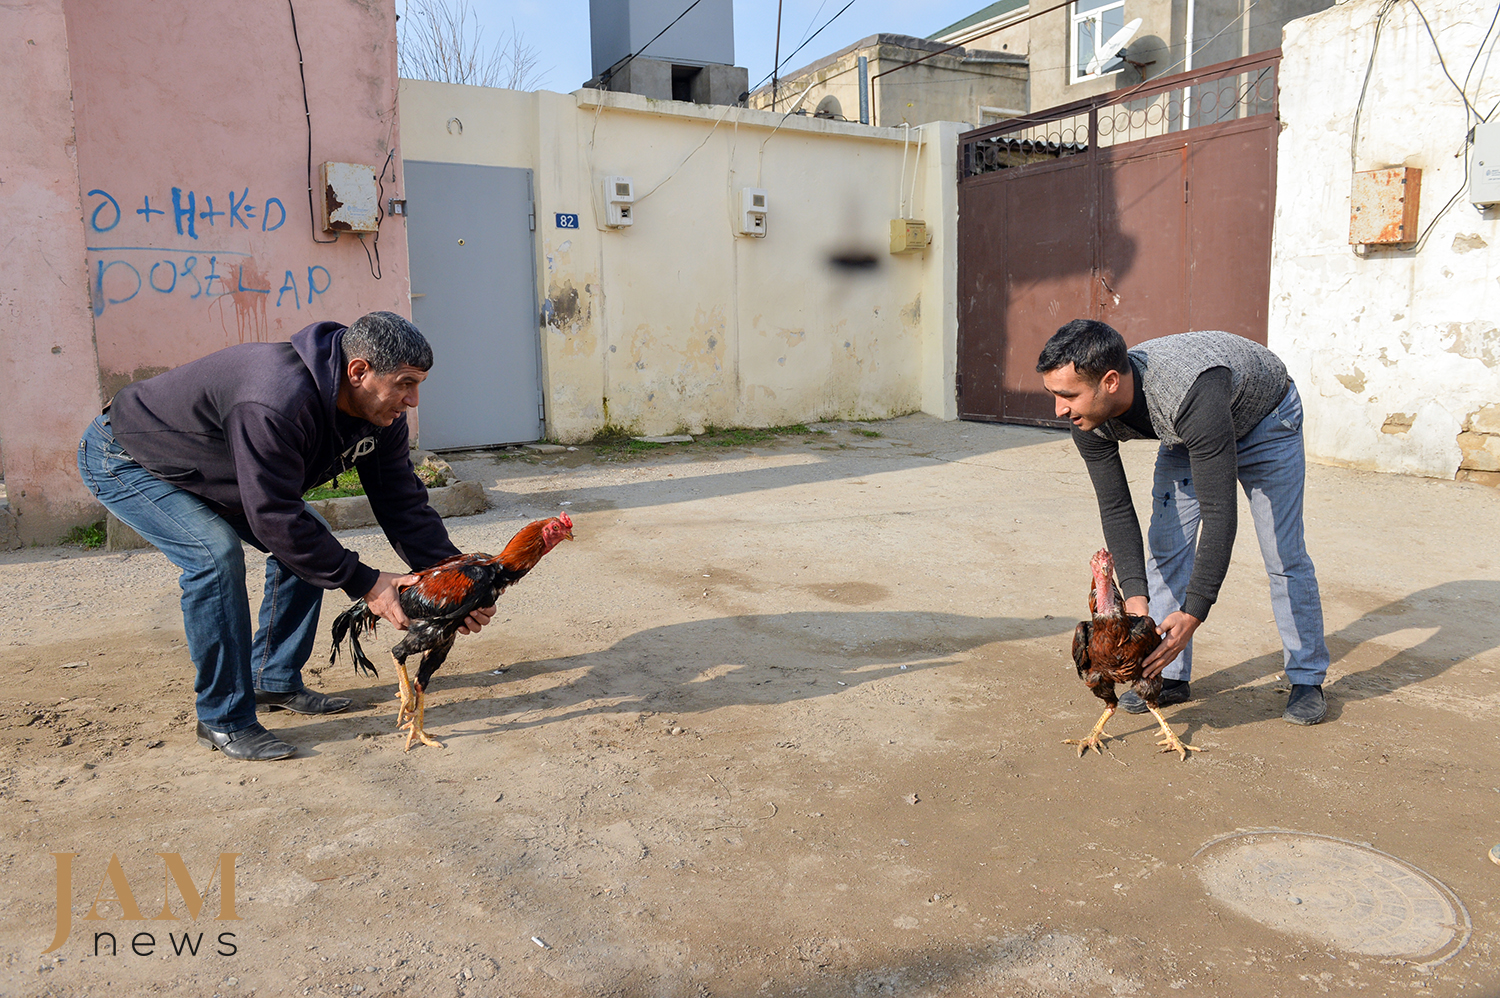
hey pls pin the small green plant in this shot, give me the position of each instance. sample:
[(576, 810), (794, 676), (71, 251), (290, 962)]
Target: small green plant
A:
[(90, 536), (867, 433), (744, 436), (434, 473), (614, 442), (346, 484)]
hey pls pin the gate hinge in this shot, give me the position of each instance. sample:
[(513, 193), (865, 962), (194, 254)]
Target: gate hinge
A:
[(958, 383), (531, 217)]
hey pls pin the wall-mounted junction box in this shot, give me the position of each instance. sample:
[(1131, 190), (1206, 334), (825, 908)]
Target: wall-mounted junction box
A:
[(1383, 207), (351, 198), (908, 235), (619, 202), (1484, 164), (752, 212)]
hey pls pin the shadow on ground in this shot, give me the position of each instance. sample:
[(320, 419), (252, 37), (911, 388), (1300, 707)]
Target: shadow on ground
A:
[(1461, 616), (707, 664)]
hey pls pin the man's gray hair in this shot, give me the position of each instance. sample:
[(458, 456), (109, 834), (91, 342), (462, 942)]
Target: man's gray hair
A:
[(386, 341)]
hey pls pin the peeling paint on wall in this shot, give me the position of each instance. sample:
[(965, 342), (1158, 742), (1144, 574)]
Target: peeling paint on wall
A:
[(1354, 382), (1398, 422), (571, 314), (1476, 340), (1468, 243), (1479, 443)]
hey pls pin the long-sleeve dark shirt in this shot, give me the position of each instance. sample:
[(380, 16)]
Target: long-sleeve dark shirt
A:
[(252, 427), (1207, 429)]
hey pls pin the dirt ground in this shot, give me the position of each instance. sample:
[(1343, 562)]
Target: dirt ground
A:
[(783, 720)]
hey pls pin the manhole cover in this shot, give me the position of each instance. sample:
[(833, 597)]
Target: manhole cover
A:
[(1348, 895)]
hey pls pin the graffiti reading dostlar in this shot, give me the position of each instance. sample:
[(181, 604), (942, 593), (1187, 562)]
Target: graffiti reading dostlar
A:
[(167, 258)]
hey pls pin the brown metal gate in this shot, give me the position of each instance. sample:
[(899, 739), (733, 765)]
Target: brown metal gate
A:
[(1123, 207)]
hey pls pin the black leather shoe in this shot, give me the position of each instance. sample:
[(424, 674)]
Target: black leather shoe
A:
[(1306, 705), (303, 701), (252, 744), (1172, 691)]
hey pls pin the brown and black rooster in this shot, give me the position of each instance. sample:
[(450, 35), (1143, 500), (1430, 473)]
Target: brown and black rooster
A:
[(438, 603), (1111, 648)]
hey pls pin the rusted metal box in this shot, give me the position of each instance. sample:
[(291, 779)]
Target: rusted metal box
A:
[(1383, 209), (351, 198)]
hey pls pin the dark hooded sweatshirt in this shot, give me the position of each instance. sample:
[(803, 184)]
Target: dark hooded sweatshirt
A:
[(252, 427)]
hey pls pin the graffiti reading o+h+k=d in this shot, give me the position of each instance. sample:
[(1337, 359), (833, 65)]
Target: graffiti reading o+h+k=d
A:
[(188, 269)]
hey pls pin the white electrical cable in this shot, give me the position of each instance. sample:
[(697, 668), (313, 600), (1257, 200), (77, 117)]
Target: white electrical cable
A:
[(915, 171), (760, 156), (901, 185)]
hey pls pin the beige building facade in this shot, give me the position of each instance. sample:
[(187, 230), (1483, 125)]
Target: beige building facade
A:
[(1173, 36), (910, 80)]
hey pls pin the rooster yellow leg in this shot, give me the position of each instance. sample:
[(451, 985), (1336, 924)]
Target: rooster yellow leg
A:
[(1171, 741), (404, 693), (417, 734), (1096, 738)]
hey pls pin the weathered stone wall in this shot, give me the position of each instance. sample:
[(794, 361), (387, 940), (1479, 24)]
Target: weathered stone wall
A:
[(1396, 349)]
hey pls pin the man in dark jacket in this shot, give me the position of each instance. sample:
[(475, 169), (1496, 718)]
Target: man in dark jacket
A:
[(1223, 408), (220, 451)]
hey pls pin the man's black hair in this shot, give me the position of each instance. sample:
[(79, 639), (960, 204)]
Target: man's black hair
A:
[(1092, 347), (386, 341)]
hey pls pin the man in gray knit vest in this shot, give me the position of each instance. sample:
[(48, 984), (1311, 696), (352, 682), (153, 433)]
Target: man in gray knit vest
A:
[(1223, 408)]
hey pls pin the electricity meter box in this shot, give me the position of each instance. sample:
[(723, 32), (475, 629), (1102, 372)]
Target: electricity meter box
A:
[(619, 201), (1384, 206), (351, 198), (1484, 165), (752, 212), (908, 235)]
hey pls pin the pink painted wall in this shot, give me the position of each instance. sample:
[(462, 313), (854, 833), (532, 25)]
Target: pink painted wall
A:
[(155, 203), (192, 162), (46, 331)]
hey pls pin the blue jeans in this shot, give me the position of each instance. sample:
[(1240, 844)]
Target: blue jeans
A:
[(1272, 471), (215, 604)]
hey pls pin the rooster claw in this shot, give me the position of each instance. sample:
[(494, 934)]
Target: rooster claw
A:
[(1173, 744), (1084, 744)]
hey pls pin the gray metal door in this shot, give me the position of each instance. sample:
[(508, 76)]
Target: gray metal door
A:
[(469, 232)]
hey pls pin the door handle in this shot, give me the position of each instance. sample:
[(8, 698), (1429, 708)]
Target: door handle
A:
[(422, 295)]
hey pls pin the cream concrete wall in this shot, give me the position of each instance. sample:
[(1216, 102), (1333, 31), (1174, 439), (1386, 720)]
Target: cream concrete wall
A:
[(677, 322), (46, 334), (1393, 349), (156, 202)]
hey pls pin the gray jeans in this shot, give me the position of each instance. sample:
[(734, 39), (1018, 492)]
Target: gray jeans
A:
[(1272, 471)]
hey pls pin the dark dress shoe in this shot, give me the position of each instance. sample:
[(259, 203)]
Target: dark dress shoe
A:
[(1306, 705), (303, 701), (252, 744)]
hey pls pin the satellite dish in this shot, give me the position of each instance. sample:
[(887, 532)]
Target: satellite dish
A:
[(1109, 55)]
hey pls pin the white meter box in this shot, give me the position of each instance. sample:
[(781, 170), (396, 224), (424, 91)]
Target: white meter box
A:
[(752, 212), (1484, 167), (619, 202), (351, 198)]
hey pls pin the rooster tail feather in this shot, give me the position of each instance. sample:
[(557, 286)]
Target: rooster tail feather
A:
[(352, 623)]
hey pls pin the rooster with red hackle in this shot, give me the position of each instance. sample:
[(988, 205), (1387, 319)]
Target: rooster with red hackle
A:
[(437, 605), (1112, 648)]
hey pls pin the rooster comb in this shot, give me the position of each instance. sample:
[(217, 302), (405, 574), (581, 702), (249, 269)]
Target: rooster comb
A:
[(565, 519)]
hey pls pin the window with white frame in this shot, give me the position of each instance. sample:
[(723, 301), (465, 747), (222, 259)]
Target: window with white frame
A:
[(1094, 21)]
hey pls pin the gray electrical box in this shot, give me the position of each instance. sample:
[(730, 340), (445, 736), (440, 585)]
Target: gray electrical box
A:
[(1484, 167)]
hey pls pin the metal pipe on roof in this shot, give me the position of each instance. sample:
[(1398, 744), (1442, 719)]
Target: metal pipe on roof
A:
[(864, 90)]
